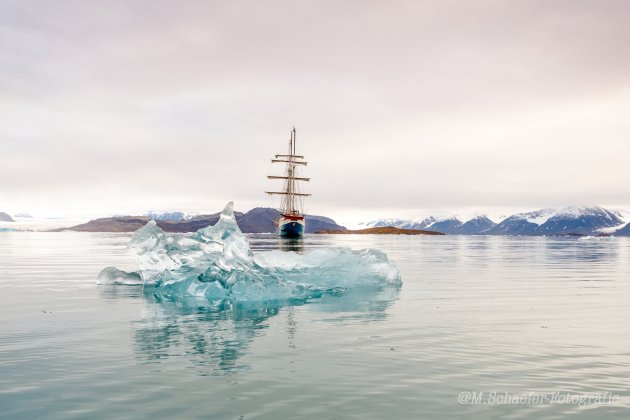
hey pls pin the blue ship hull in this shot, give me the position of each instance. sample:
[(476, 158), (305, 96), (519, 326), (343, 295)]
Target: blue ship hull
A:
[(291, 229)]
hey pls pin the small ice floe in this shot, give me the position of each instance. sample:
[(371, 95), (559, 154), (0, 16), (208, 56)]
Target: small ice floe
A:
[(217, 263), (595, 238), (112, 275)]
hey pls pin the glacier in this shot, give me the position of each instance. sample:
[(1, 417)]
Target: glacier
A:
[(216, 263)]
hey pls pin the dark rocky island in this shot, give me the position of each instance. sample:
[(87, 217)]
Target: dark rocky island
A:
[(382, 230), (257, 220)]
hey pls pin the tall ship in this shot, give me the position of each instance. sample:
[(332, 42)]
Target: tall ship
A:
[(291, 223)]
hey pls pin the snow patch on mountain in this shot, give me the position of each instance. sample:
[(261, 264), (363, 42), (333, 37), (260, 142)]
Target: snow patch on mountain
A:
[(624, 216), (539, 217)]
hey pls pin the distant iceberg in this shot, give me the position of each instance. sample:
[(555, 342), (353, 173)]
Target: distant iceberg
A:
[(216, 263)]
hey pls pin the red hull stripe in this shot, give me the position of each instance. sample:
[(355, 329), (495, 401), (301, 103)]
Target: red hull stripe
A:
[(288, 216)]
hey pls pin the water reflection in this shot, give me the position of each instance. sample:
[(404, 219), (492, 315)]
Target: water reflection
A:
[(214, 337), (589, 249), (265, 242), (295, 245)]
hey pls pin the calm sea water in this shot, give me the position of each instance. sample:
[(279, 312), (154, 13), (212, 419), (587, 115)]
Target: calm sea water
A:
[(500, 316)]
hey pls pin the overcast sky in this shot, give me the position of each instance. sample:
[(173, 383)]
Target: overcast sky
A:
[(403, 108)]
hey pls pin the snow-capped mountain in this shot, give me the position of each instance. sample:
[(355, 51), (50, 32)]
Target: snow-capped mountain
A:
[(424, 223), (475, 226), (522, 223), (386, 222), (549, 221), (450, 224), (401, 223), (582, 220), (446, 225), (562, 221)]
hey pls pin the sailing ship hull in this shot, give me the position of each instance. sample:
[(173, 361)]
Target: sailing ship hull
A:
[(291, 228)]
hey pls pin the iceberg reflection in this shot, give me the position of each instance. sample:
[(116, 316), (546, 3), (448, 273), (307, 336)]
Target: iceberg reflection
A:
[(215, 338)]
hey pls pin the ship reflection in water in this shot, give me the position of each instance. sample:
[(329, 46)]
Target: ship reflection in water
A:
[(291, 244), (268, 242)]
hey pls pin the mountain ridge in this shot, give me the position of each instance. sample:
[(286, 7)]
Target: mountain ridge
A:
[(256, 220), (584, 220)]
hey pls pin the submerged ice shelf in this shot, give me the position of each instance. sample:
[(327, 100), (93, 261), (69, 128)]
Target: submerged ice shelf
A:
[(216, 263)]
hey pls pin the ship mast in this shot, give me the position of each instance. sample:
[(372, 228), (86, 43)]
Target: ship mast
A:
[(290, 185), (289, 204)]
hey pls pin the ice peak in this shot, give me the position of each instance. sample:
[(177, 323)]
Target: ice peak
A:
[(228, 211)]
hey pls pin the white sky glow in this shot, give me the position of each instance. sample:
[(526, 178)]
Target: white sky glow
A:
[(403, 108)]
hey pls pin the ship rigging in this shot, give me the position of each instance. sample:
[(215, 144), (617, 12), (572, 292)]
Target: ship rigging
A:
[(291, 223)]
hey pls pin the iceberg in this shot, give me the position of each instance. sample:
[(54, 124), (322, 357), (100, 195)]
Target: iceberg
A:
[(114, 276), (216, 263)]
